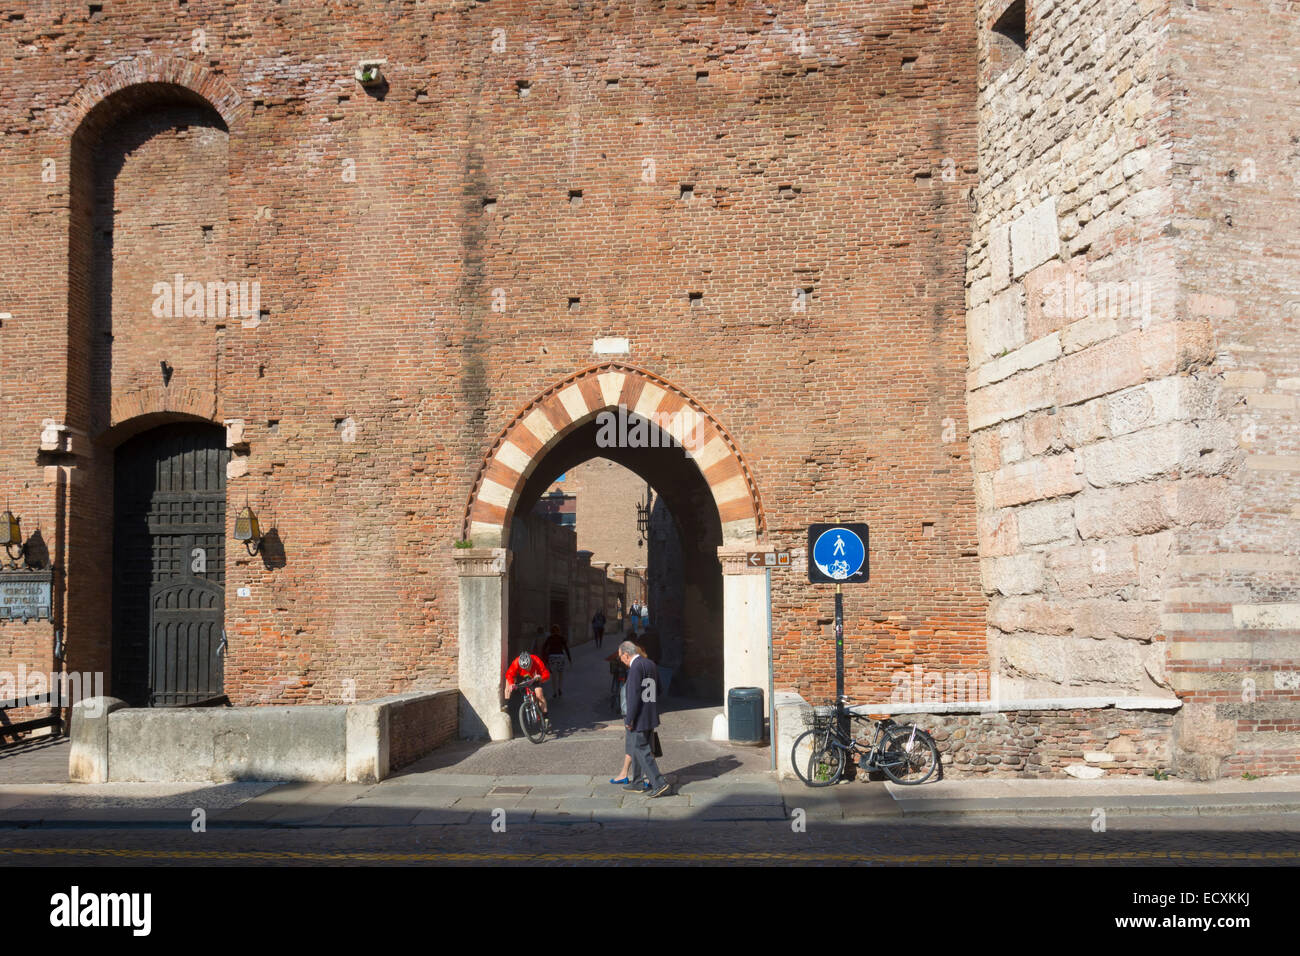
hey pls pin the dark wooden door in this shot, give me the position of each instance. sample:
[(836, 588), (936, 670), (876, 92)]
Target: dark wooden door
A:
[(169, 566)]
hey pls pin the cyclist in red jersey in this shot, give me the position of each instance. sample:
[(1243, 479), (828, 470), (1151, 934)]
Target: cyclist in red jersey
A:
[(521, 669)]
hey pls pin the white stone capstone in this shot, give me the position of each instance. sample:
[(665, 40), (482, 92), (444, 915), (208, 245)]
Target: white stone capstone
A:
[(1085, 772), (1035, 238)]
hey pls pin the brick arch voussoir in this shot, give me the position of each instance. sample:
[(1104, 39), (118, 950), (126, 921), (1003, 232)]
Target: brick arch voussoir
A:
[(223, 97), (158, 404), (537, 427)]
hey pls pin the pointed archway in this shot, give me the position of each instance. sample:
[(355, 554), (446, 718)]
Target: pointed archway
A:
[(577, 400), (508, 471)]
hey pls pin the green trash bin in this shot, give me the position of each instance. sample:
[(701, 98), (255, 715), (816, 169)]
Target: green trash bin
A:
[(745, 715)]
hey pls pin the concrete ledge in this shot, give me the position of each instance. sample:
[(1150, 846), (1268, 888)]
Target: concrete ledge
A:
[(1023, 704), (790, 711), (318, 743), (88, 755), (366, 743)]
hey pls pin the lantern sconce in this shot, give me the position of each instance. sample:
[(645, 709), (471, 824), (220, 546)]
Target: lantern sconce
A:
[(248, 530), (643, 511), (11, 535), (642, 518)]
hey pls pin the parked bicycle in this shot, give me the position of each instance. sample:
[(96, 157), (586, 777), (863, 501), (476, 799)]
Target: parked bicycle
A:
[(531, 719), (905, 753)]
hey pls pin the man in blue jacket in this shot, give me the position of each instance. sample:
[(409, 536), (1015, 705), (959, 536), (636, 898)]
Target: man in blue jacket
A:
[(642, 691)]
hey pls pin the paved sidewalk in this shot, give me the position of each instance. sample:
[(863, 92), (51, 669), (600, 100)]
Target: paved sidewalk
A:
[(432, 798), (438, 798), (587, 736), (37, 760)]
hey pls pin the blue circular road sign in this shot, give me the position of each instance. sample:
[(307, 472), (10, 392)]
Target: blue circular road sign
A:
[(839, 553)]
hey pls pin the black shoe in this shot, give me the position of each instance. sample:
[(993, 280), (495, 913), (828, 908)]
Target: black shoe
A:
[(665, 791), (635, 787)]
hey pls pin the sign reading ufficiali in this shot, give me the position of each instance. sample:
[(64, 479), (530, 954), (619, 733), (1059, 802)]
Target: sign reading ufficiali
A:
[(837, 554)]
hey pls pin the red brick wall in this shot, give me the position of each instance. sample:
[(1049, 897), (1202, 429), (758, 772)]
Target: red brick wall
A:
[(419, 726), (817, 143), (607, 496)]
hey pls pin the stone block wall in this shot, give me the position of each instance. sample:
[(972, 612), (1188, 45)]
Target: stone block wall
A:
[(1129, 340), (1233, 622), (1047, 743), (1087, 741), (1083, 412)]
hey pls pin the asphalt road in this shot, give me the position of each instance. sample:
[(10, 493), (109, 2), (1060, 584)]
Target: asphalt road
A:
[(1254, 840)]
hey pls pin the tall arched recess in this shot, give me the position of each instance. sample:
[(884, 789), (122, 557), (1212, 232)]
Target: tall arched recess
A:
[(508, 467), (148, 161)]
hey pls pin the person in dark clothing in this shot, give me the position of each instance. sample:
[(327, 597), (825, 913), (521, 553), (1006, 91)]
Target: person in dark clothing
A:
[(642, 690), (555, 649), (598, 627), (650, 643)]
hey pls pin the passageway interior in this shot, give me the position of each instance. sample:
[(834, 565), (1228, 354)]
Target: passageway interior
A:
[(684, 575)]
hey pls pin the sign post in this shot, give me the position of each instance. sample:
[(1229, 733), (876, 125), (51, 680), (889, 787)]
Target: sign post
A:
[(837, 553), (839, 642)]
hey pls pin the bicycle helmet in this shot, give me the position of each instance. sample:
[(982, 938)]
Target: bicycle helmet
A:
[(525, 661)]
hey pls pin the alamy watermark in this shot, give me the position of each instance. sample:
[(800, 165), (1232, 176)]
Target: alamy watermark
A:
[(76, 908), (919, 686), (1075, 299), (684, 429), (213, 300), (37, 688)]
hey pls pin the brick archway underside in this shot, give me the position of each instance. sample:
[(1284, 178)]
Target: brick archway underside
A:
[(145, 74), (577, 400)]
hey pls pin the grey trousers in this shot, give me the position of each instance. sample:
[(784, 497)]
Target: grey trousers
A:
[(643, 758)]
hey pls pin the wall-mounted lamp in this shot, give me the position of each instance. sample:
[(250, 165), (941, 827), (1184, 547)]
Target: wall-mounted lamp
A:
[(642, 518), (248, 530), (11, 536)]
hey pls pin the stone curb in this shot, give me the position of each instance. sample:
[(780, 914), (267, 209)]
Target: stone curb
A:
[(1161, 806)]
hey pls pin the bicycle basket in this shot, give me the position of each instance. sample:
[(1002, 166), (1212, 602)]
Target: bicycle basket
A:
[(820, 718)]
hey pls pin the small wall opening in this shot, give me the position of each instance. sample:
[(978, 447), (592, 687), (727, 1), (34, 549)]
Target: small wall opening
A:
[(1008, 38), (1010, 27)]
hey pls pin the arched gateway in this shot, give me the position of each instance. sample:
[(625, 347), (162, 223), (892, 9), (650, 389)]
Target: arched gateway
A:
[(550, 420)]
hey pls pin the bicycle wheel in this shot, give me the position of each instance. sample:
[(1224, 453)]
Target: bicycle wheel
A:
[(530, 720), (909, 758), (817, 761)]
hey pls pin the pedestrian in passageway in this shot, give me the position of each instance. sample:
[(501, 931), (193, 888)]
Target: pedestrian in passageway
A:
[(555, 649), (623, 777), (642, 719), (598, 626)]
